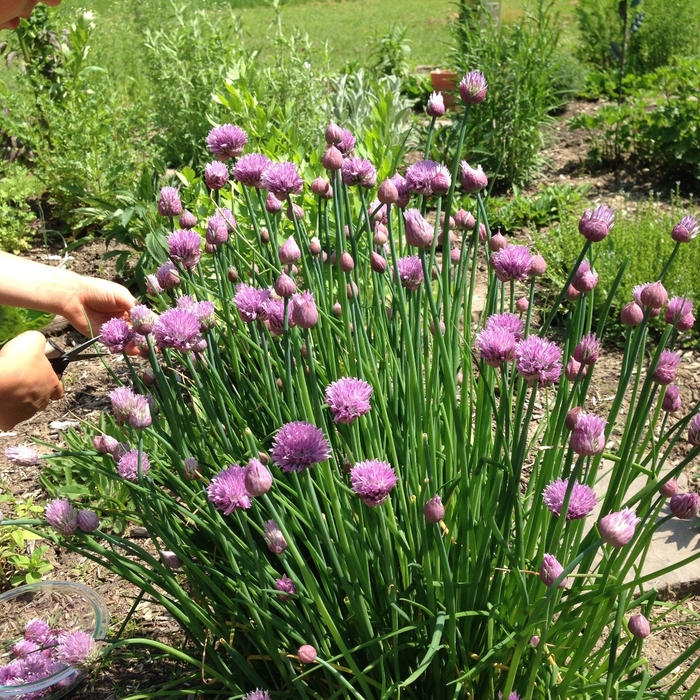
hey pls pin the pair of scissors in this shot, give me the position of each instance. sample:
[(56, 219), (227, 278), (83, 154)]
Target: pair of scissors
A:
[(60, 359)]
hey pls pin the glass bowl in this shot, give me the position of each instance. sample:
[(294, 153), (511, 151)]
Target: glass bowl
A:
[(65, 606)]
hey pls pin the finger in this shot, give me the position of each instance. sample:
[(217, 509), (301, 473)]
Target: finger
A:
[(57, 392)]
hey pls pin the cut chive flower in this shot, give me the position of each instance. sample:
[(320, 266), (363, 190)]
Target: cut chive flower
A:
[(22, 456), (116, 335)]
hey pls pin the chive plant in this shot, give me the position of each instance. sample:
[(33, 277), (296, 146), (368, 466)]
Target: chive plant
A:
[(354, 489)]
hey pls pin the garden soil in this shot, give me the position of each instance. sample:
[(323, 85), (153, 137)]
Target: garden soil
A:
[(130, 670)]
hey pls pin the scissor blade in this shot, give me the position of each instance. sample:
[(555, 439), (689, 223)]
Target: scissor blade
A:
[(83, 346)]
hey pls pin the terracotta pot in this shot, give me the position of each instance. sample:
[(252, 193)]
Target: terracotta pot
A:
[(446, 82)]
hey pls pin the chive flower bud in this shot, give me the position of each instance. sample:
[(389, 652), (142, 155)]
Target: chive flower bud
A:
[(289, 252), (307, 654), (172, 561), (285, 585), (346, 263), (595, 224), (588, 436), (665, 371), (679, 313), (104, 444), (387, 192), (464, 220), (572, 417), (191, 468), (321, 187), (472, 88), (669, 488), (672, 399), (694, 431), (304, 311), (685, 505), (419, 232), (436, 105), (169, 203), (538, 265), (274, 538), (639, 626), (258, 479), (584, 280), (377, 263), (187, 219), (617, 529), (216, 175), (334, 134), (285, 286), (654, 295), (632, 314), (168, 276), (332, 159), (473, 179), (433, 510), (587, 351), (273, 205), (685, 230), (88, 521), (550, 570)]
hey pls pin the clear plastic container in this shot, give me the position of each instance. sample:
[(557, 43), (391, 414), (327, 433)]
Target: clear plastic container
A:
[(64, 605)]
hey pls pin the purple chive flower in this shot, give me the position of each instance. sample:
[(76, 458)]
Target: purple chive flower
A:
[(226, 141), (122, 399), (679, 313), (348, 399), (496, 346), (274, 538), (227, 490), (285, 585), (62, 517), (250, 302), (512, 263), (512, 323), (587, 351), (539, 359), (358, 171), (22, 456), (588, 437), (177, 329), (257, 694), (282, 180), (217, 230), (116, 334), (258, 479), (36, 630), (617, 529), (299, 445), (304, 311), (249, 169), (169, 203), (167, 277), (595, 224), (436, 105), (473, 179), (274, 316), (665, 371), (672, 402), (581, 503), (585, 280), (88, 521), (346, 143), (128, 465), (419, 177), (404, 193), (419, 232), (24, 648), (206, 315), (685, 505), (639, 626), (140, 413), (142, 319), (472, 88), (372, 480), (550, 571), (77, 649), (410, 271), (433, 510), (694, 430), (184, 247), (685, 230), (216, 175)]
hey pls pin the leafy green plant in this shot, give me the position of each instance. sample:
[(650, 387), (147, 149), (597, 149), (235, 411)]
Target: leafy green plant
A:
[(21, 560), (657, 125), (391, 53), (519, 62), (544, 208), (17, 220)]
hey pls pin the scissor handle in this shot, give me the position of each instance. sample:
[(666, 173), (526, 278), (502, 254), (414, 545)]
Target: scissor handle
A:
[(60, 364)]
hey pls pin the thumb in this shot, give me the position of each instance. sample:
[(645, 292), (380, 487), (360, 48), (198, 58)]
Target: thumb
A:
[(29, 343)]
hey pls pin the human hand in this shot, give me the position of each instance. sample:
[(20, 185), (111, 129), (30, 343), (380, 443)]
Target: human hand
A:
[(93, 302), (27, 380)]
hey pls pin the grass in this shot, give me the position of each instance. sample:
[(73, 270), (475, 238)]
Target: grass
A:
[(349, 27)]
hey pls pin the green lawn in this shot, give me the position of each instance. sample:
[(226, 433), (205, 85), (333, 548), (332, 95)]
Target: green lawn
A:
[(350, 27)]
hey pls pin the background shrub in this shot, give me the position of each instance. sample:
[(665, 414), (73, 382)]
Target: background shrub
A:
[(520, 61), (17, 220)]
